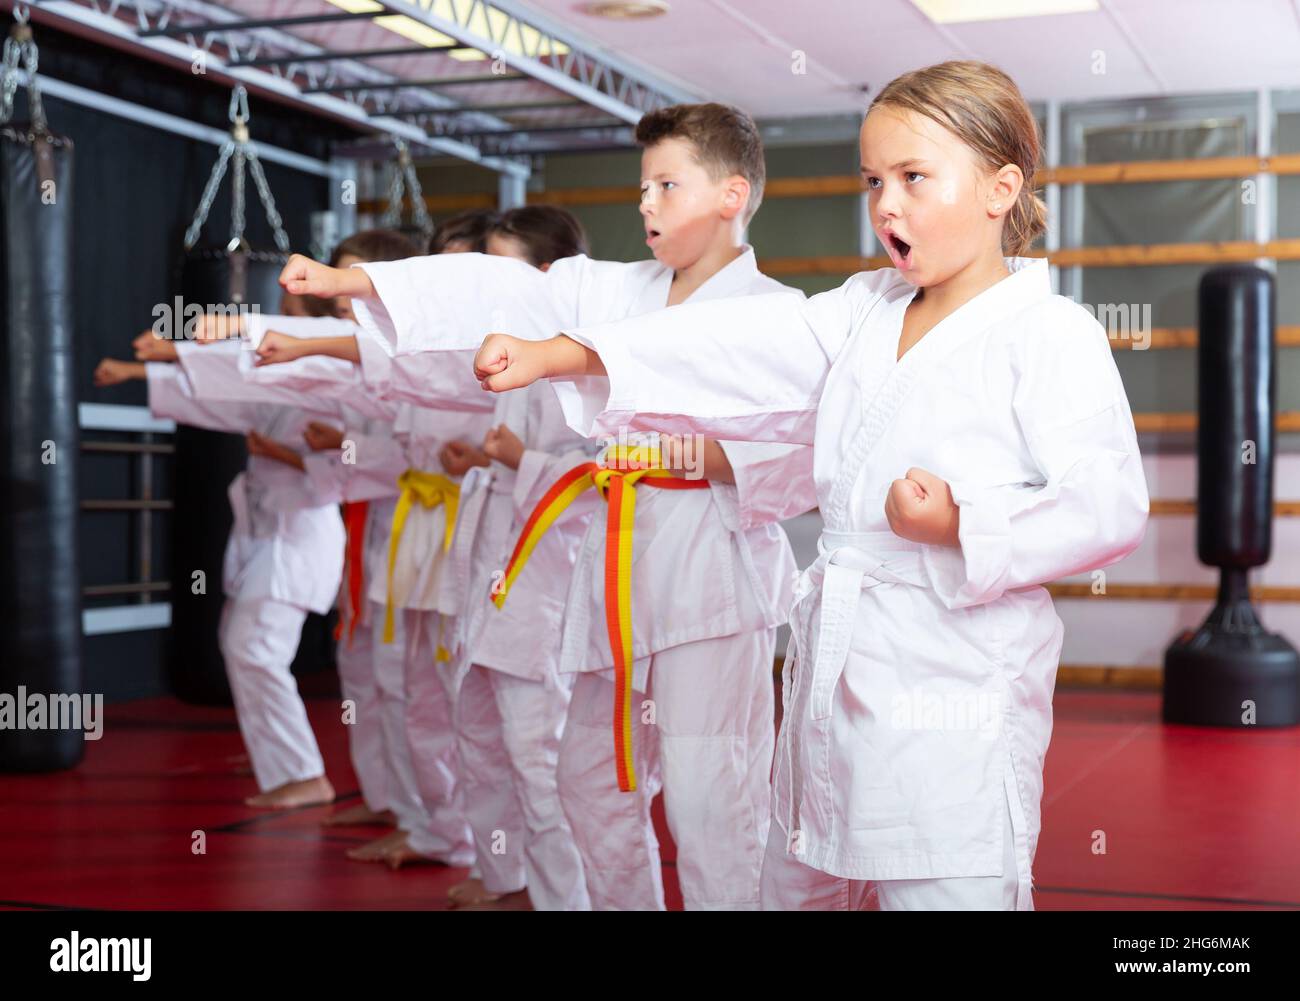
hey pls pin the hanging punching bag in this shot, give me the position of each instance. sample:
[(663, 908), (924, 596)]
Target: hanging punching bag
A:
[(1231, 671), (39, 580), (204, 464)]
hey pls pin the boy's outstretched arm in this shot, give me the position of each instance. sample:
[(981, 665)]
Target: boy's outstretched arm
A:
[(303, 276), (277, 347), (504, 362)]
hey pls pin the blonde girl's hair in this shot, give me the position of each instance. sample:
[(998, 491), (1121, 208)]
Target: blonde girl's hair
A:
[(984, 108)]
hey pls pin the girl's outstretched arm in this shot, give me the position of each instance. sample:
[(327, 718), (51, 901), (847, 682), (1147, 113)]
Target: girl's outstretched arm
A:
[(750, 368)]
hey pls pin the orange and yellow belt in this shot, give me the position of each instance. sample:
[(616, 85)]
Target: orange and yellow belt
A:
[(430, 489), (354, 521), (615, 476)]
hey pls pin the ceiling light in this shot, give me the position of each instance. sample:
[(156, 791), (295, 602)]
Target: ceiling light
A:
[(957, 11), (623, 10), (484, 20)]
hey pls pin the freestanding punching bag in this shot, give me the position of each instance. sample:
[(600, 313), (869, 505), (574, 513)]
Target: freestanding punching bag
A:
[(40, 644), (1231, 671)]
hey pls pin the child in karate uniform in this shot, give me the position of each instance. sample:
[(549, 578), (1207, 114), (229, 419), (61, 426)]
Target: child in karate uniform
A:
[(710, 570), (284, 559), (388, 456), (511, 700), (973, 442), (370, 674)]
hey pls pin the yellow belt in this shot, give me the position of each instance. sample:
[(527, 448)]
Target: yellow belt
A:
[(616, 485), (430, 489)]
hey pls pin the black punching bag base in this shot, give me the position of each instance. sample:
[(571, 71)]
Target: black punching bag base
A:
[(1230, 661)]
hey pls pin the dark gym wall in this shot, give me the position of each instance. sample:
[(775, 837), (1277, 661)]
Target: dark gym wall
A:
[(136, 189)]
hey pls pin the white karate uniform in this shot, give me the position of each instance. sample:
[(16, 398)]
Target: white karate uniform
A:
[(918, 694), (432, 807), (513, 700), (284, 558), (370, 672), (711, 582)]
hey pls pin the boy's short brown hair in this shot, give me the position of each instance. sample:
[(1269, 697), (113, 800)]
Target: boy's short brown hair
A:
[(374, 245), (470, 227), (549, 233), (725, 139)]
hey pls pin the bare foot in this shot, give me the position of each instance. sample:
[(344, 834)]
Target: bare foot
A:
[(309, 792), (375, 851), (469, 891), (359, 815), (404, 854), (517, 901)]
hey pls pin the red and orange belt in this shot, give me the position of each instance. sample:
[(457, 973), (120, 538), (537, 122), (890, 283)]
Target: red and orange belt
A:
[(617, 474), (354, 521)]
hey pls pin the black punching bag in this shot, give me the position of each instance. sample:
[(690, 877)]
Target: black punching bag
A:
[(204, 464), (41, 592), (1231, 672)]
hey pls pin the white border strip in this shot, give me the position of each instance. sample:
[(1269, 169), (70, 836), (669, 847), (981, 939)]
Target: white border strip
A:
[(116, 417), (126, 618)]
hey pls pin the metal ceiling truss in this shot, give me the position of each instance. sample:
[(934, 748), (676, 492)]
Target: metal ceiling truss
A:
[(529, 44), (261, 53)]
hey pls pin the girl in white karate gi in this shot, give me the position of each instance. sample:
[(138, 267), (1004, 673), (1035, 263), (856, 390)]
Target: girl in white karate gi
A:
[(972, 442), (284, 559)]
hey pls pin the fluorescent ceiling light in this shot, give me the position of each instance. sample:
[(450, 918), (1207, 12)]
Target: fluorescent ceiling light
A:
[(956, 11), (484, 20)]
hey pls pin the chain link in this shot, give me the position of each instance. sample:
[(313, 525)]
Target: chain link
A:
[(237, 199), (209, 194), (404, 177), (268, 203), (20, 47), (241, 149)]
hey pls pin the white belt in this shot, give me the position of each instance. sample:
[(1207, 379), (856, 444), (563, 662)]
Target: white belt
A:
[(848, 563), (454, 585)]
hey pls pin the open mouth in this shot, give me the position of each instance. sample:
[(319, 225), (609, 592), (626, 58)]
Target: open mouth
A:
[(651, 235), (902, 250)]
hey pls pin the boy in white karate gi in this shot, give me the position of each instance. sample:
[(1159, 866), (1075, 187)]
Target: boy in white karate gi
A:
[(710, 568), (974, 442)]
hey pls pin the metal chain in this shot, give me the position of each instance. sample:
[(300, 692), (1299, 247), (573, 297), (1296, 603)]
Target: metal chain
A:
[(268, 203), (21, 47), (9, 78), (209, 194), (404, 177), (421, 210), (392, 217), (239, 147), (237, 199)]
